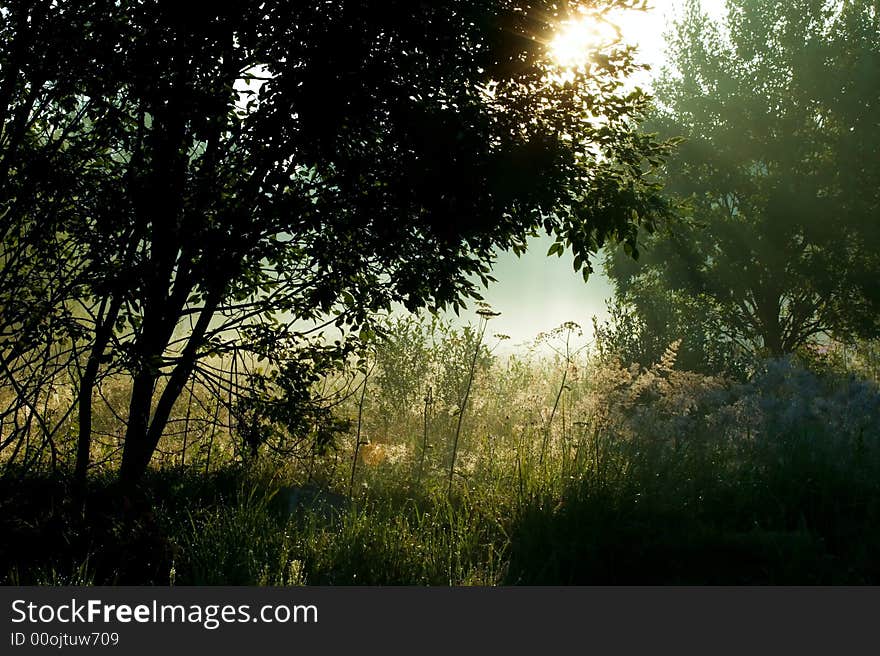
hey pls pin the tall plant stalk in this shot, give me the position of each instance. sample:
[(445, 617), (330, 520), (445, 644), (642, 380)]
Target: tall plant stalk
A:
[(545, 442), (357, 442), (569, 328), (429, 399), (485, 315)]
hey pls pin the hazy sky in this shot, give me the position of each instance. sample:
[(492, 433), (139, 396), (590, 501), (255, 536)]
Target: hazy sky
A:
[(535, 293)]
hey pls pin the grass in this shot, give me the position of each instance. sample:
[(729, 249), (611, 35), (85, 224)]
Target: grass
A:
[(770, 530), (570, 471)]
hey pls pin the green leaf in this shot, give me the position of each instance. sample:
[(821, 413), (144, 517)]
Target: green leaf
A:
[(556, 249)]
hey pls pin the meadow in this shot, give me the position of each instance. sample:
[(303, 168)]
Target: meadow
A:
[(461, 462), (207, 216)]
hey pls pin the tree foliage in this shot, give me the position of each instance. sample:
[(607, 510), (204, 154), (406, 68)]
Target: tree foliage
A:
[(238, 175), (779, 108)]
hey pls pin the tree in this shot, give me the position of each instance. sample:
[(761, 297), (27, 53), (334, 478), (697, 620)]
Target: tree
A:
[(49, 179), (278, 165), (779, 110), (650, 317)]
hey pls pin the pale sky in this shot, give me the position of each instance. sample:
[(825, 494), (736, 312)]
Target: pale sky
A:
[(535, 293)]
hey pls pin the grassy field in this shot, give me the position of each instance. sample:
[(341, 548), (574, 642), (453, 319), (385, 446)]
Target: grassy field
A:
[(552, 466)]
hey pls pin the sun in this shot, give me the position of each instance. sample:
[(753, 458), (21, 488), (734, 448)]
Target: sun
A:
[(579, 39)]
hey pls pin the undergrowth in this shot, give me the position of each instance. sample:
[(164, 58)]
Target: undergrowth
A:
[(569, 470)]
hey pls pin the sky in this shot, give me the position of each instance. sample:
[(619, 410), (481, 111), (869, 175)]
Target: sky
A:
[(536, 293)]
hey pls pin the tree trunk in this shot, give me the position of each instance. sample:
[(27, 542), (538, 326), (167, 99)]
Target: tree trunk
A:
[(772, 336), (84, 439), (768, 307), (135, 454), (86, 389), (143, 433)]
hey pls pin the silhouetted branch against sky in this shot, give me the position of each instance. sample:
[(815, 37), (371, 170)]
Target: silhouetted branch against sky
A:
[(535, 293)]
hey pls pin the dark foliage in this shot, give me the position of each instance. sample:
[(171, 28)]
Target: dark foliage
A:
[(234, 174), (778, 173)]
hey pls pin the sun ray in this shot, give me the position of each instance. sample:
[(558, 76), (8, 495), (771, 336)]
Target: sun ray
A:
[(580, 38)]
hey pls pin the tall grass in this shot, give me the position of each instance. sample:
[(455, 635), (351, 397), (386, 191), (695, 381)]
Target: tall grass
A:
[(569, 469)]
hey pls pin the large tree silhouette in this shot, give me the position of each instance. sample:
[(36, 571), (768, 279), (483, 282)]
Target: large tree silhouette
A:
[(273, 164)]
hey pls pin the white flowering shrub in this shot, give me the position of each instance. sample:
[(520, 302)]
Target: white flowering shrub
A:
[(790, 443), (837, 417)]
